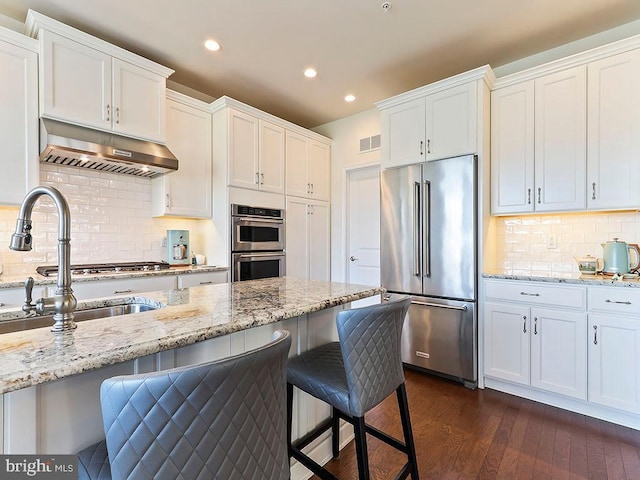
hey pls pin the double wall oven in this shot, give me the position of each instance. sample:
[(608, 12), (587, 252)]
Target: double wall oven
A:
[(257, 243)]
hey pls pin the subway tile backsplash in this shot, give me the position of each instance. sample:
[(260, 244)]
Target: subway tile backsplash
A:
[(523, 243), (110, 221)]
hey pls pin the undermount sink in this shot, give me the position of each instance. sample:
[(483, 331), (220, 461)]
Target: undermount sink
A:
[(20, 324)]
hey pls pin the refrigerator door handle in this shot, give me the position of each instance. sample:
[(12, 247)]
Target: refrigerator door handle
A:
[(416, 228), (439, 305), (427, 229)]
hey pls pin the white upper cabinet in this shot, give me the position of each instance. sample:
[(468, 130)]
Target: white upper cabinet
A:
[(560, 140), (186, 192), (613, 150), (89, 82), (436, 121), (19, 119), (308, 167), (538, 144), (451, 122), (403, 134), (256, 153), (512, 152)]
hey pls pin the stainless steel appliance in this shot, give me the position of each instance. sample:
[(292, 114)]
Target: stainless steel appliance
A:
[(429, 250), (257, 243)]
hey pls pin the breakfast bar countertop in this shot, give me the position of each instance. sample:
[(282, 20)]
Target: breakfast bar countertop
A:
[(186, 316), (575, 279)]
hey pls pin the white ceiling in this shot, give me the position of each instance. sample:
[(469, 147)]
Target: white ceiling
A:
[(355, 46)]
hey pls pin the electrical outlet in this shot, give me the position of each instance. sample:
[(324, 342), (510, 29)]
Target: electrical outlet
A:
[(552, 241), (164, 242)]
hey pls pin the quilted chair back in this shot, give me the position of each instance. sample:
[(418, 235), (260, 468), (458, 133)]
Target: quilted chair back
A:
[(370, 342), (221, 420)]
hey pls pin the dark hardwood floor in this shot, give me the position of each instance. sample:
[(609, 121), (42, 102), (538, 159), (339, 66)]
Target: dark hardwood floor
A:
[(484, 434)]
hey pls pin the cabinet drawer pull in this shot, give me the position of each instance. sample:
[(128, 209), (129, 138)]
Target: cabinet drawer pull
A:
[(421, 147), (524, 324), (539, 192), (530, 294), (116, 292), (535, 325), (262, 179), (428, 145), (593, 195), (528, 196), (257, 180), (117, 114), (1, 304), (595, 334), (206, 283), (108, 112), (627, 302)]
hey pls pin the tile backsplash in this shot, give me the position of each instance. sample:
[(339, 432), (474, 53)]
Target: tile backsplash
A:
[(110, 222), (523, 243)]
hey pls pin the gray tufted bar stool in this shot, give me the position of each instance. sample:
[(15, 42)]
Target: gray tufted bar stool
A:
[(353, 376), (218, 420)]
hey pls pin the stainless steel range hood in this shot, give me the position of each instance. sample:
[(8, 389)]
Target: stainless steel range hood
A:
[(82, 147)]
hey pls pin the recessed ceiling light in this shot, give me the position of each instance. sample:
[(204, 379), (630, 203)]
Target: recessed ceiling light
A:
[(310, 73), (349, 98), (212, 45)]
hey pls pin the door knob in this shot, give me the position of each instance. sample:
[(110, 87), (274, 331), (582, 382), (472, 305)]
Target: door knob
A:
[(352, 258)]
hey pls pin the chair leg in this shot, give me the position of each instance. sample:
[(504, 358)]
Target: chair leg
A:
[(289, 416), (335, 433), (360, 432), (403, 406)]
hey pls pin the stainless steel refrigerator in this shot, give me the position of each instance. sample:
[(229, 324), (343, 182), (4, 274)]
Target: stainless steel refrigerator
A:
[(429, 250)]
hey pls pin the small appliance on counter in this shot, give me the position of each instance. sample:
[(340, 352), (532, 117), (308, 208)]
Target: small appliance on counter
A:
[(178, 252), (617, 257)]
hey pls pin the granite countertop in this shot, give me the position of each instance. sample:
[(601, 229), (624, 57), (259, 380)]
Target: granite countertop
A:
[(575, 279), (17, 281), (187, 316)]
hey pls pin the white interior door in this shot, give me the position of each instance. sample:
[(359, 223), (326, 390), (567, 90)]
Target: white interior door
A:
[(363, 226)]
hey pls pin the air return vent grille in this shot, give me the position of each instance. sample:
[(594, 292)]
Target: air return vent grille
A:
[(369, 144)]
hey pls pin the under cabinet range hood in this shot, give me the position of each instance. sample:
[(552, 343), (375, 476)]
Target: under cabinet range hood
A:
[(82, 147)]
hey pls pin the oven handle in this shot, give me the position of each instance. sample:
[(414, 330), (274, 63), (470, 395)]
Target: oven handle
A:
[(254, 255), (439, 305), (258, 220)]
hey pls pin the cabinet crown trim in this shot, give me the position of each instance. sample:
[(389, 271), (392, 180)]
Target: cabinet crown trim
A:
[(581, 58), (484, 73), (187, 100), (36, 22), (19, 40), (224, 102)]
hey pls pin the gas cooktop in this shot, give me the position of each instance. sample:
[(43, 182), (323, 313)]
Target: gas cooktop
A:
[(92, 268)]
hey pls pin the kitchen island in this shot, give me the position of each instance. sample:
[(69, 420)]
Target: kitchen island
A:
[(50, 383)]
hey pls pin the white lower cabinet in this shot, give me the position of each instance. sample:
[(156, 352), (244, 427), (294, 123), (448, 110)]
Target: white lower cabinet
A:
[(614, 347), (106, 288), (535, 335), (200, 279)]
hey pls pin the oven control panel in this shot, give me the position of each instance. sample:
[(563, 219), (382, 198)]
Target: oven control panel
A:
[(245, 210)]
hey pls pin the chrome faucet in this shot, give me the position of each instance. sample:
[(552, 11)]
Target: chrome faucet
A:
[(63, 303)]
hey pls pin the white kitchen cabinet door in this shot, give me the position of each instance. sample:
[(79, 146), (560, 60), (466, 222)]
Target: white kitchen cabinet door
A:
[(75, 82), (297, 165), (200, 279), (319, 241), (243, 138), (297, 245), (187, 191), (506, 337), (308, 239), (320, 170), (451, 122), (403, 134), (271, 157), (139, 101), (512, 149), (614, 361), (18, 122), (560, 141), (613, 132), (559, 352)]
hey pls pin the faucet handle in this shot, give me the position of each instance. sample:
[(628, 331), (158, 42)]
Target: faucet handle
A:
[(28, 287)]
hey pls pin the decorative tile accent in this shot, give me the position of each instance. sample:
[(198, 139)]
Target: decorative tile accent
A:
[(521, 242), (110, 221)]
